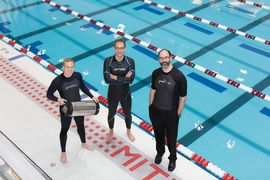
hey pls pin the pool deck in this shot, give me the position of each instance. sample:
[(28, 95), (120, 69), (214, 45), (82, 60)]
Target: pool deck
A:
[(31, 123)]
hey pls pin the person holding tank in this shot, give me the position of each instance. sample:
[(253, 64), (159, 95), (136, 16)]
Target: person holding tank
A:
[(68, 85)]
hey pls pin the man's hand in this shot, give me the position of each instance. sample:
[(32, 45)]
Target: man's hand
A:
[(129, 74), (113, 76)]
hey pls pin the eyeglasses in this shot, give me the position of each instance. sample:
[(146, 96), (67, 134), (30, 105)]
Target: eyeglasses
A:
[(164, 58), (119, 48)]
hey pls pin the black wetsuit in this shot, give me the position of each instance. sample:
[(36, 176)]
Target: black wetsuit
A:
[(163, 110), (119, 90), (69, 89)]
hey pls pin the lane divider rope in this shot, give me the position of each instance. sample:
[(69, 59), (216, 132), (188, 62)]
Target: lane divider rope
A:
[(214, 24), (255, 4)]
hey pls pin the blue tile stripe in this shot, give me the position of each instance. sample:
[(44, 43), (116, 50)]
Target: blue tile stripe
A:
[(57, 9), (148, 8), (145, 51), (240, 9), (91, 25), (198, 28), (3, 29), (256, 50), (207, 82), (33, 47), (265, 111)]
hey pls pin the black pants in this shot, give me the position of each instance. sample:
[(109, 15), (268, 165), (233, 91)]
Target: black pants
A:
[(65, 124), (116, 94), (165, 124)]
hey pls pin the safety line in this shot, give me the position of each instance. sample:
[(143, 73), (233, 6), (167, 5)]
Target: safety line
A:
[(152, 47), (267, 42), (255, 4)]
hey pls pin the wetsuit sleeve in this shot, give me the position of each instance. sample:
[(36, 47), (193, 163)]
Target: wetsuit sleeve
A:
[(154, 76), (182, 85), (130, 69), (83, 86), (52, 88), (107, 71)]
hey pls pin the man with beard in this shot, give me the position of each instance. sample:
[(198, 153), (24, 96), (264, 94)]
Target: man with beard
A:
[(167, 99)]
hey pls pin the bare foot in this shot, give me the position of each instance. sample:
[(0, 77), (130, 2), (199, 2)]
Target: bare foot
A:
[(130, 136), (109, 136), (87, 146), (63, 158)]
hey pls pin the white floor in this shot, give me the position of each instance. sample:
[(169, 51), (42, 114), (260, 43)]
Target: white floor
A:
[(31, 122)]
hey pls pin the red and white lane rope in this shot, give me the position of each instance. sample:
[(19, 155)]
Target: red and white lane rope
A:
[(30, 54), (152, 47), (139, 122), (267, 42), (255, 4)]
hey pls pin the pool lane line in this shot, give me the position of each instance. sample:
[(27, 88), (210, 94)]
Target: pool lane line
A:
[(152, 47), (221, 115), (214, 24), (48, 28), (20, 7), (202, 162), (254, 4)]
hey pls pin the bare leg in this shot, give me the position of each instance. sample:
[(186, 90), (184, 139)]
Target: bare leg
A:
[(63, 158), (87, 146), (109, 136), (130, 135)]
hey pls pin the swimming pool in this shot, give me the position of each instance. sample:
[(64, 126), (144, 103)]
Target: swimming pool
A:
[(222, 123)]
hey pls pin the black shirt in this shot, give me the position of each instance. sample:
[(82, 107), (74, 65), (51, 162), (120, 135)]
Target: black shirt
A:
[(68, 88), (169, 86)]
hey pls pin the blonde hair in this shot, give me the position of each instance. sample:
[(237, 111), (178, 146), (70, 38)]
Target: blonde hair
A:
[(67, 60)]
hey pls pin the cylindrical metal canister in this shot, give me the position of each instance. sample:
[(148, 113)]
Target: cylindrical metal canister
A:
[(80, 108)]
